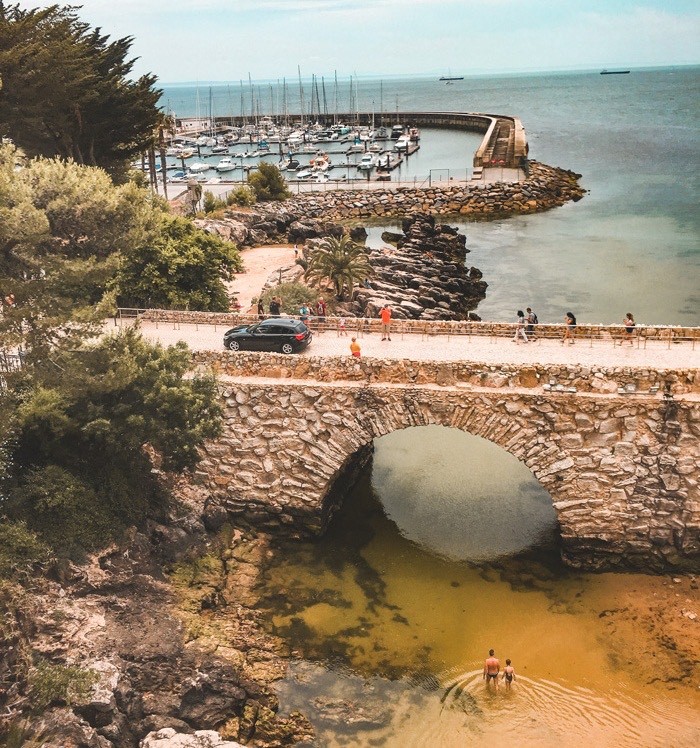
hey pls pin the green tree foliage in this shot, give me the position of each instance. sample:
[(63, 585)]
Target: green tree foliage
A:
[(88, 424), (242, 196), (268, 183), (66, 90), (62, 230), (341, 262), (182, 267)]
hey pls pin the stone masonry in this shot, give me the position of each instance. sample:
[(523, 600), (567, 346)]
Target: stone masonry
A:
[(622, 470)]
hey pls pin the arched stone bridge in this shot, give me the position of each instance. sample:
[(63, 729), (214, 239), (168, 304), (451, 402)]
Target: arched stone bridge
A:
[(621, 467)]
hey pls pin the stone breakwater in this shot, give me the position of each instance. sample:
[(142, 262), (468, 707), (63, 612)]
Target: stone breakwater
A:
[(313, 214), (545, 187)]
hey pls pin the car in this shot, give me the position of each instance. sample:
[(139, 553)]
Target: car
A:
[(273, 334)]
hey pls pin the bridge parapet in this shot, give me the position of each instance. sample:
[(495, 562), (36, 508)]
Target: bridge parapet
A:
[(579, 378)]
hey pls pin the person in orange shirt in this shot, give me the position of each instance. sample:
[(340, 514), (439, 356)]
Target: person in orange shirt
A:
[(385, 314), (354, 348)]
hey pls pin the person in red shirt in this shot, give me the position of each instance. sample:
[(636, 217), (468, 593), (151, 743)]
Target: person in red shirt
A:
[(385, 314)]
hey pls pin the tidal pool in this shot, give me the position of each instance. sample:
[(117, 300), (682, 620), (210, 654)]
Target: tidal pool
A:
[(445, 548)]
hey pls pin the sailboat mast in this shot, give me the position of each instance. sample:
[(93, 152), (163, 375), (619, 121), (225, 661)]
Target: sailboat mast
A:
[(301, 96), (252, 98), (335, 95)]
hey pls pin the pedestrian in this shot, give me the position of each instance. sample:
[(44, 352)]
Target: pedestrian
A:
[(570, 329), (261, 309), (275, 305), (520, 327), (508, 674), (341, 326), (296, 252), (304, 313), (629, 324), (491, 669), (321, 310), (354, 348), (385, 314), (531, 322)]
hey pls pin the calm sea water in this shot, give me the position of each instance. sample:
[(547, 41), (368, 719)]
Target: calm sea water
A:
[(632, 244)]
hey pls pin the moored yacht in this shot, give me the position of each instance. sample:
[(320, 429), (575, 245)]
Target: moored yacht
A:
[(226, 164)]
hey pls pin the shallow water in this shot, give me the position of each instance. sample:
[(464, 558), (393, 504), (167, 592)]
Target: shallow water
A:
[(445, 548)]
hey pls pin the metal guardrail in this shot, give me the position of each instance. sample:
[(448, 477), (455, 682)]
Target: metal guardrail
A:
[(643, 335)]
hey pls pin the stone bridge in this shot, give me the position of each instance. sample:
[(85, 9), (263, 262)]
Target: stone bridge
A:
[(617, 449)]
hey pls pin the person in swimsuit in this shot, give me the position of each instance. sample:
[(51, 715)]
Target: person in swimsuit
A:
[(508, 674), (491, 669)]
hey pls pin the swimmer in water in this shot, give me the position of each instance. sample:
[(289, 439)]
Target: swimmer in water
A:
[(491, 669), (508, 674)]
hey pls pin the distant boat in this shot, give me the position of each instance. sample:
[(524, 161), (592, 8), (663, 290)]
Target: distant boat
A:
[(451, 78), (614, 72)]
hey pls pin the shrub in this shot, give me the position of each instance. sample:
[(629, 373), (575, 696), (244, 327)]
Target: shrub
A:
[(50, 684), (293, 295), (268, 183), (212, 203), (242, 196), (20, 549)]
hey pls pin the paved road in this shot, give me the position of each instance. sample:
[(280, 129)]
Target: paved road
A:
[(657, 354)]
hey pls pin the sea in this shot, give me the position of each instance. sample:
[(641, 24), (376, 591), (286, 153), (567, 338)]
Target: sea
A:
[(632, 244)]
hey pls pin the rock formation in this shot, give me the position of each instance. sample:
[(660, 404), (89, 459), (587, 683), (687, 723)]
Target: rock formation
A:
[(423, 277)]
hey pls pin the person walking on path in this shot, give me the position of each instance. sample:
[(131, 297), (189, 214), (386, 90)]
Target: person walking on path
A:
[(261, 309), (354, 348), (304, 313), (532, 320), (341, 326), (385, 314), (520, 327), (491, 669), (321, 311), (629, 324), (508, 674), (570, 329), (275, 305)]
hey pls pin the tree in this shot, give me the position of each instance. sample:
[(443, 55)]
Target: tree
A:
[(268, 183), (340, 261), (86, 424), (62, 230), (182, 267), (66, 90)]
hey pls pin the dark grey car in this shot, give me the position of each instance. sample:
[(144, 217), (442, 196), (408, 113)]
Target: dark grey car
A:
[(274, 334)]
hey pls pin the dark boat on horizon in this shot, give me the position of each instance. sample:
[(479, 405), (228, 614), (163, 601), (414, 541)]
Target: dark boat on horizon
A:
[(452, 78), (614, 72)]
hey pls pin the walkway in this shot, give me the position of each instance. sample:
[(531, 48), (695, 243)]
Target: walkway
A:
[(491, 350)]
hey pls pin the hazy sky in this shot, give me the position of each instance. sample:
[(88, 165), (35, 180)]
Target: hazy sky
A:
[(187, 40)]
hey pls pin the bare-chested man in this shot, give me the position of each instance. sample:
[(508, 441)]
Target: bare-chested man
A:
[(491, 669)]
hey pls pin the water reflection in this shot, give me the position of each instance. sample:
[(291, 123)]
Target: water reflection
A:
[(391, 614), (445, 498)]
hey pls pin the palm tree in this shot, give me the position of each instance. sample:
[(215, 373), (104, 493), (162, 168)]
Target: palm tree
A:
[(340, 261)]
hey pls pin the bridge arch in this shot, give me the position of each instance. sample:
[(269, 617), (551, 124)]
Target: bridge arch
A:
[(622, 474)]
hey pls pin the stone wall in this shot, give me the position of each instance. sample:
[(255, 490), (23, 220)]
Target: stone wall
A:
[(546, 187), (596, 379), (622, 471)]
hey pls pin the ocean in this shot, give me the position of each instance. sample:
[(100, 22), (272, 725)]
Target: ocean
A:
[(632, 244)]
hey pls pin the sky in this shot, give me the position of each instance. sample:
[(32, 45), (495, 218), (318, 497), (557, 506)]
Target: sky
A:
[(225, 40)]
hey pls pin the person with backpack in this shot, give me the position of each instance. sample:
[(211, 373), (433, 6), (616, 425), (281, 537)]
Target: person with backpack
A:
[(531, 322)]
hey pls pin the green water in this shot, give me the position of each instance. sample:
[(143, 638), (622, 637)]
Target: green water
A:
[(445, 548)]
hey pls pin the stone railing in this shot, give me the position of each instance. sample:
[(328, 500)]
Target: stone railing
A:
[(551, 378), (668, 334)]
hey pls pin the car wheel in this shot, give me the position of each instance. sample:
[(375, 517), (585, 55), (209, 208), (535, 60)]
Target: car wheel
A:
[(287, 348), (234, 345)]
